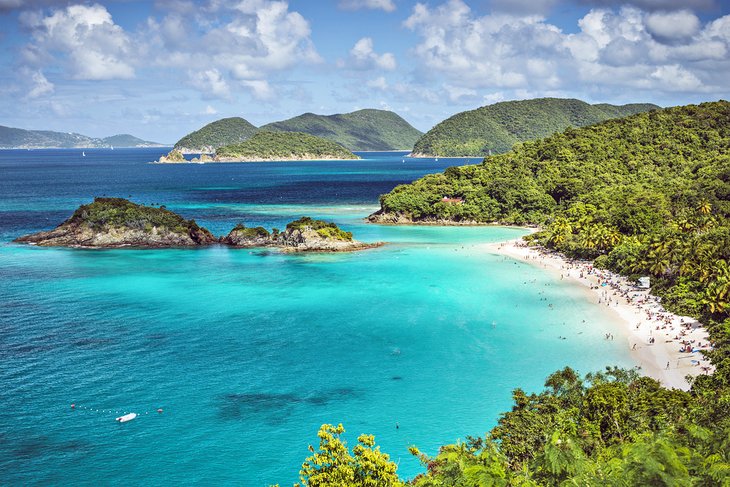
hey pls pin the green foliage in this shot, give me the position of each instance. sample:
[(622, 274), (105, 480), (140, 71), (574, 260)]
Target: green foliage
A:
[(284, 145), (332, 465), (497, 128), (256, 232), (225, 131), (324, 229), (363, 130), (119, 212)]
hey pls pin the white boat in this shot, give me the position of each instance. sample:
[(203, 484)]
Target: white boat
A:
[(83, 154), (126, 417)]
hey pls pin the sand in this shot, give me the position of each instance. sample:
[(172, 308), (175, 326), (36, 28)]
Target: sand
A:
[(654, 336)]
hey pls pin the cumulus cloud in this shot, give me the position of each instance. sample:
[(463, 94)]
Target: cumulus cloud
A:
[(612, 51), (211, 82), (653, 5), (671, 26), (386, 5), (362, 56), (251, 40), (84, 39)]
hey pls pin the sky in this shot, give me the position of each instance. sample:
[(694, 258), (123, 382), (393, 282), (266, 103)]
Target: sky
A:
[(159, 69)]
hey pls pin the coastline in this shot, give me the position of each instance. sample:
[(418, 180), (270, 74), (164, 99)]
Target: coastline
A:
[(653, 335)]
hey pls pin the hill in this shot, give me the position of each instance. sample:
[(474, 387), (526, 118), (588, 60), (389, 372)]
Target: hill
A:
[(283, 146), (646, 195), (363, 130), (14, 138), (498, 127), (226, 131)]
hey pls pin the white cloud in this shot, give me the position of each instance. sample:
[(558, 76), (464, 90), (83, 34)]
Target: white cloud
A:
[(362, 56), (386, 5), (654, 5), (210, 82), (612, 52), (259, 88), (249, 41), (378, 83), (672, 25), (39, 86), (84, 39), (209, 110)]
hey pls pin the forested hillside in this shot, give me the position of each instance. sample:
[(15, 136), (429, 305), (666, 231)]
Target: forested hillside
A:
[(649, 194), (225, 131), (363, 130), (498, 127)]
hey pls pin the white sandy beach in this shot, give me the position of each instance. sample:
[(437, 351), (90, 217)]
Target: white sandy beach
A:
[(654, 336)]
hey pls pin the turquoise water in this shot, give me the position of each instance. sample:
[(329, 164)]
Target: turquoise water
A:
[(248, 352)]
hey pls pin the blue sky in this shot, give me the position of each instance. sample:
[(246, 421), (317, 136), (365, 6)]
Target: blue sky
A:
[(160, 69)]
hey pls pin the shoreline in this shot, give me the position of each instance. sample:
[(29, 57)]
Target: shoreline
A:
[(653, 335)]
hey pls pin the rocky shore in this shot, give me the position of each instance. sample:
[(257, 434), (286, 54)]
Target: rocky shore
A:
[(117, 223)]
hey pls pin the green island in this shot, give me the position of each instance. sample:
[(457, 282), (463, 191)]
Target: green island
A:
[(117, 223), (496, 128), (225, 131), (304, 234), (282, 146), (363, 130), (15, 138), (644, 195)]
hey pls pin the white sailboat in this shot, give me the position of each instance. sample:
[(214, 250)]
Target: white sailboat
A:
[(83, 154)]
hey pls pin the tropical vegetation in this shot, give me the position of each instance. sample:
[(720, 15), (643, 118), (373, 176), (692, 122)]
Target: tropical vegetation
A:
[(225, 131), (284, 146), (363, 130), (324, 229), (649, 194), (496, 128)]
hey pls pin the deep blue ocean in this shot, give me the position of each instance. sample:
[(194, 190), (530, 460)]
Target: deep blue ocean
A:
[(248, 352)]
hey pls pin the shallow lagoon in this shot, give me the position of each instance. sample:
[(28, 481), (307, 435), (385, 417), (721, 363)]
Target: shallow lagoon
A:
[(249, 351)]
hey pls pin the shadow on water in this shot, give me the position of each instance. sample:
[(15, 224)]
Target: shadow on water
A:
[(276, 407)]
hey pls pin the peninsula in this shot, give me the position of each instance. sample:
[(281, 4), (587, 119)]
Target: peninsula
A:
[(271, 146), (117, 222)]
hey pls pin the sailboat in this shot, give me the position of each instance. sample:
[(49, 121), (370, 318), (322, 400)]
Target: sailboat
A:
[(112, 147), (83, 154)]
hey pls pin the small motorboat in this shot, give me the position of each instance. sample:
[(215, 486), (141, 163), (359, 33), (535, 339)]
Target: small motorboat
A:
[(126, 417)]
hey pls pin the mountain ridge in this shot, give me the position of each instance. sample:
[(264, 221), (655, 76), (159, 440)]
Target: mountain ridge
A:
[(16, 138), (498, 127)]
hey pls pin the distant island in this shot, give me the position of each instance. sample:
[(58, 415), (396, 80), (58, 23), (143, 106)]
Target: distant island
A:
[(494, 129), (271, 146), (117, 223), (14, 138), (363, 130)]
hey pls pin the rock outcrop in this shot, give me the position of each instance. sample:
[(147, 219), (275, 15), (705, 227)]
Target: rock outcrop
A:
[(173, 157), (303, 235), (116, 222)]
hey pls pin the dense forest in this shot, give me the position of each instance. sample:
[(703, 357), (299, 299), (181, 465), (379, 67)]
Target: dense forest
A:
[(498, 127), (284, 146), (649, 194), (363, 130)]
